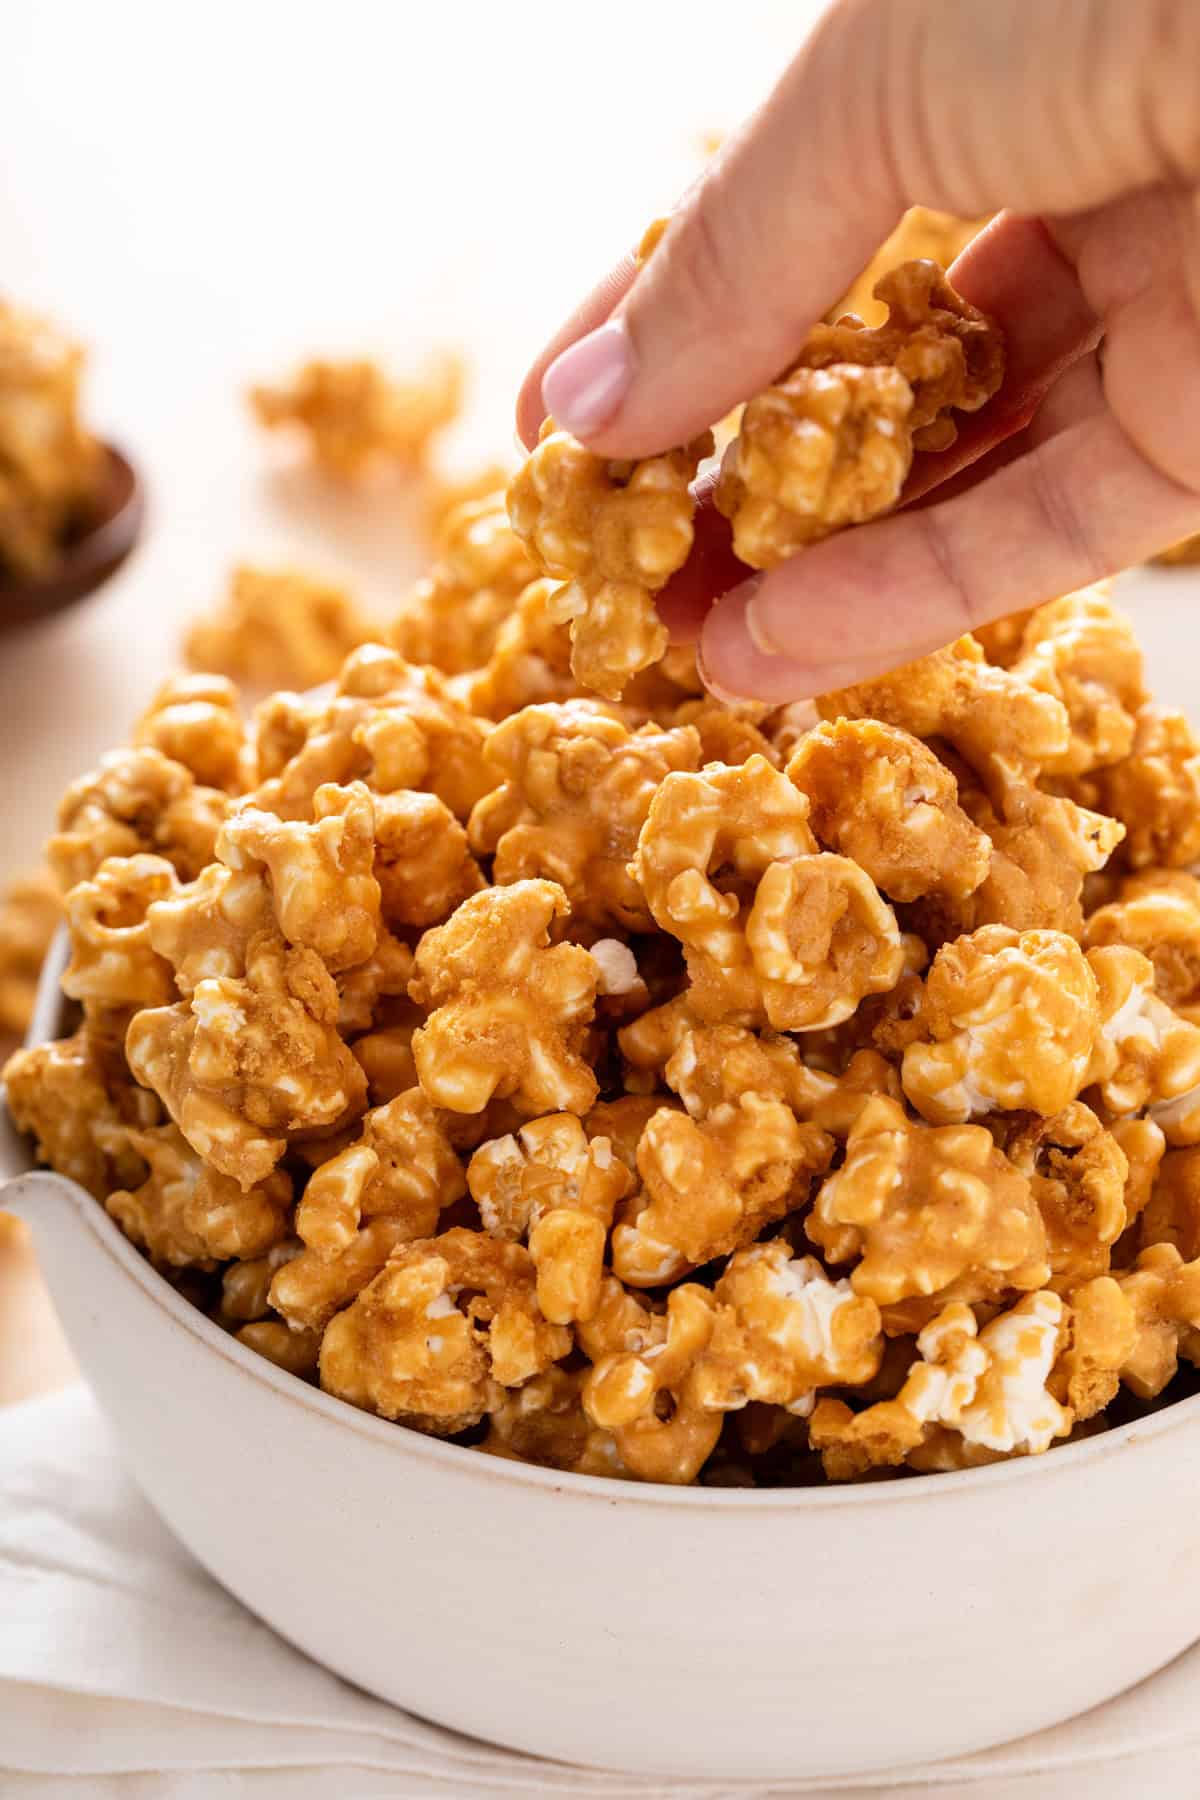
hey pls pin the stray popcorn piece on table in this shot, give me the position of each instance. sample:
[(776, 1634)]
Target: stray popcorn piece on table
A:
[(30, 914), (987, 1385), (1083, 651), (454, 614), (278, 628), (51, 468), (773, 930), (249, 1061), (74, 1098), (881, 797), (194, 720), (932, 1213), (555, 1188), (576, 785), (612, 532), (831, 443), (1008, 1021), (188, 1215), (442, 1321), (508, 1006), (136, 800), (356, 414)]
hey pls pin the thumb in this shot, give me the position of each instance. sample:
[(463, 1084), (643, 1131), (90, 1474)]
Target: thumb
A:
[(965, 105)]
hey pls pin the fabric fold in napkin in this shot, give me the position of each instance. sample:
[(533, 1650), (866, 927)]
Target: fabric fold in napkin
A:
[(127, 1673)]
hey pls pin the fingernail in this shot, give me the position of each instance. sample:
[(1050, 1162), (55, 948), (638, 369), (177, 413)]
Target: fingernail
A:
[(733, 663), (584, 387)]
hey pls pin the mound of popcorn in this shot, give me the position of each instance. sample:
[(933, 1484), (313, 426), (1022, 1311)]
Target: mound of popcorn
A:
[(537, 1053)]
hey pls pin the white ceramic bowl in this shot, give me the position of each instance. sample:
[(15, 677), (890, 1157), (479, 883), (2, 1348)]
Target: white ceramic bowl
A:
[(740, 1636)]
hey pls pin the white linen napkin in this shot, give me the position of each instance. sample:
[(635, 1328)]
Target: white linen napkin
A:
[(126, 1673)]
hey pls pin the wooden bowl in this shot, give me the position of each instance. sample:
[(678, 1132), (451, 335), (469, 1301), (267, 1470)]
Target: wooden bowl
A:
[(90, 557)]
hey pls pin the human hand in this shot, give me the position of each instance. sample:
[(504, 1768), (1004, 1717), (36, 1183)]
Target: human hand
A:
[(1081, 117)]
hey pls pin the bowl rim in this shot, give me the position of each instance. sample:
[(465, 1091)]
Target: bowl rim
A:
[(466, 1460)]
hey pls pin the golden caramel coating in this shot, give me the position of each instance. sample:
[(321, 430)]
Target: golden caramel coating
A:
[(321, 875), (1172, 1211), (831, 443), (613, 532), (30, 914), (386, 1059), (543, 1422), (1164, 1292), (402, 1166), (638, 1388), (388, 724), (1082, 650), (930, 1211), (204, 928), (423, 862), (1043, 848), (355, 414), (922, 232), (1147, 1057), (508, 1007), (135, 800), (375, 992), (989, 715), (1143, 1145), (246, 1283), (51, 468), (74, 1099), (1078, 1173), (295, 1351), (987, 1385), (1164, 924), (711, 1067), (454, 614), (1101, 1332), (188, 1215), (880, 797), (194, 720), (728, 734), (773, 931), (112, 961), (1155, 792), (277, 628), (1008, 1021), (555, 1187), (250, 1060), (311, 1286), (576, 785), (441, 1321), (530, 661)]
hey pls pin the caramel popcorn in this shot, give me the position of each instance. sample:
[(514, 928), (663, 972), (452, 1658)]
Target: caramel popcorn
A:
[(189, 1215), (1164, 924), (1148, 1057), (1082, 650), (922, 232), (453, 617), (113, 963), (831, 443), (355, 414), (880, 797), (277, 627), (612, 533), (30, 912), (1078, 1173), (508, 1006), (530, 660), (441, 1322), (74, 1099), (774, 931), (50, 466), (194, 720), (1155, 792), (402, 1167), (136, 800), (575, 790), (1008, 1021), (1164, 1292)]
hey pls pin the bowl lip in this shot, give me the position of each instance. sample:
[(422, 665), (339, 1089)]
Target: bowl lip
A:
[(466, 1461)]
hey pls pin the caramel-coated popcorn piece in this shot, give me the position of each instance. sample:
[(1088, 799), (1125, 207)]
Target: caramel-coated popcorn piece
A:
[(375, 992), (1078, 1173), (929, 1211), (402, 1167), (310, 1287), (440, 1322), (188, 1215), (423, 861), (321, 875), (831, 442), (1172, 1211), (113, 963), (204, 928), (555, 1187), (194, 720), (135, 800), (1155, 791), (1043, 848), (543, 1422), (989, 1386), (1164, 924), (295, 1351), (530, 661), (773, 931), (613, 532), (1008, 1021), (354, 413), (453, 616), (1164, 1292), (576, 787), (880, 797), (1083, 651), (508, 1009), (248, 1061), (75, 1100), (638, 1389), (1147, 1055), (30, 914), (277, 628), (922, 232), (1101, 1336), (51, 467)]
